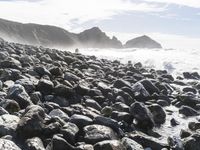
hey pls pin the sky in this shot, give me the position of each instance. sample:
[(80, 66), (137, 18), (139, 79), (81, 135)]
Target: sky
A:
[(173, 23)]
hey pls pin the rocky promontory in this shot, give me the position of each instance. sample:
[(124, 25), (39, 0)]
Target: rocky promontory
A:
[(142, 42), (56, 37), (57, 100)]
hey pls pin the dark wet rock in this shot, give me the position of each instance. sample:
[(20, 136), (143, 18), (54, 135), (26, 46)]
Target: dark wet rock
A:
[(130, 144), (56, 71), (10, 63), (96, 133), (9, 74), (10, 105), (18, 93), (149, 86), (60, 101), (184, 133), (175, 143), (8, 145), (63, 90), (194, 126), (140, 93), (42, 71), (192, 142), (8, 124), (53, 128), (121, 83), (26, 59), (142, 115), (80, 120), (71, 77), (107, 111), (189, 89), (122, 116), (94, 92), (46, 58), (34, 143), (121, 107), (45, 86), (69, 59), (3, 111), (70, 131), (92, 103), (189, 100), (163, 103), (147, 141), (188, 75), (109, 145), (59, 113), (187, 111), (31, 123), (158, 112), (174, 122), (4, 55), (104, 87), (36, 97), (82, 88), (59, 143), (27, 84), (108, 122), (168, 76)]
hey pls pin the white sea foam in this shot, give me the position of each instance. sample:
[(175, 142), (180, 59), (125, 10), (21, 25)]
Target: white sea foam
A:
[(175, 61)]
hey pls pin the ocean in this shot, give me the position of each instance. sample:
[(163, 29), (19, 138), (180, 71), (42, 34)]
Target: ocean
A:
[(175, 61)]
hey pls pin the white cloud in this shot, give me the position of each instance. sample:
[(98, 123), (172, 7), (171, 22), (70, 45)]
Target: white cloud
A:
[(64, 12), (189, 3), (167, 40)]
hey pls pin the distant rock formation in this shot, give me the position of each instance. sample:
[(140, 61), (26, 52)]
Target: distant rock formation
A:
[(35, 34), (56, 37), (94, 37), (51, 36), (142, 42)]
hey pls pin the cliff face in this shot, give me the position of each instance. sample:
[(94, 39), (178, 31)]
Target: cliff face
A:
[(142, 42), (36, 34), (52, 36), (94, 37)]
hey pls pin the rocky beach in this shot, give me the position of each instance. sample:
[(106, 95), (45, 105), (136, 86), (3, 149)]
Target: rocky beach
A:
[(58, 100)]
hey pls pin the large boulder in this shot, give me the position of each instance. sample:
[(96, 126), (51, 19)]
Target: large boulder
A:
[(8, 124), (32, 122), (45, 86), (142, 115), (140, 93), (158, 112), (96, 133), (148, 141), (80, 120), (149, 86), (70, 131), (188, 111), (34, 143), (19, 94), (8, 145)]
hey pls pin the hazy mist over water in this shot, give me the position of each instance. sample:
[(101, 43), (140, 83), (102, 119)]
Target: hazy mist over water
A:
[(175, 61)]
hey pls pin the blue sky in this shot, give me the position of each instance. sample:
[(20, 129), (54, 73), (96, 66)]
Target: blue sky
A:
[(173, 23)]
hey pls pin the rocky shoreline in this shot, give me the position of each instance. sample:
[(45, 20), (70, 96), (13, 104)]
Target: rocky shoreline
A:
[(57, 100)]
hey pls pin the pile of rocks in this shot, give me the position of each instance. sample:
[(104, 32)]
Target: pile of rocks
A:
[(57, 100)]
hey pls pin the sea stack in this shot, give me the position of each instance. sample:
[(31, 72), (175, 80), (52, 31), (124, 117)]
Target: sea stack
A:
[(142, 42)]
